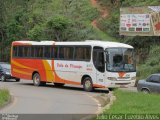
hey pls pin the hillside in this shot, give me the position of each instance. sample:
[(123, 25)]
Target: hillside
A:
[(59, 20)]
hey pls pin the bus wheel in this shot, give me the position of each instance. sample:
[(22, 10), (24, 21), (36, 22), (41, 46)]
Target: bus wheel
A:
[(36, 79), (17, 79), (59, 84), (112, 89), (43, 83), (3, 78), (87, 84)]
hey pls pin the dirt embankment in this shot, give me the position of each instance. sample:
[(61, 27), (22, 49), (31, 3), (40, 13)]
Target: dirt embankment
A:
[(103, 13)]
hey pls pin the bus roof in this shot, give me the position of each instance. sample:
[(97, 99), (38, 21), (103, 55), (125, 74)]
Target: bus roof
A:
[(104, 44)]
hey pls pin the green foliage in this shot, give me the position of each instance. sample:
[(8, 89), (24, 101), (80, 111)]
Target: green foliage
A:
[(110, 25), (58, 23), (45, 20), (36, 33), (134, 103), (152, 64), (127, 3), (4, 96)]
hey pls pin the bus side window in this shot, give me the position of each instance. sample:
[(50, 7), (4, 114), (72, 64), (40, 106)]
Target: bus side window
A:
[(98, 59), (66, 52), (47, 52), (20, 51), (61, 53), (32, 51), (78, 53), (95, 58), (82, 53), (101, 65), (26, 51), (54, 52), (15, 51), (39, 51), (87, 53)]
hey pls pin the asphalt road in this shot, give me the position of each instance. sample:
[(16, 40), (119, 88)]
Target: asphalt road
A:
[(49, 99)]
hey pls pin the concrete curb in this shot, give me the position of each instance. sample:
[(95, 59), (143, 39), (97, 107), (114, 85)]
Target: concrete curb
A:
[(105, 100), (108, 105)]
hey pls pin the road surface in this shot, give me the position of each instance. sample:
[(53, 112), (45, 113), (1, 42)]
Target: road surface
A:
[(49, 99)]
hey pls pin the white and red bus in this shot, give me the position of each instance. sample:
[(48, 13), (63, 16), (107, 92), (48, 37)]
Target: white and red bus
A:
[(93, 64)]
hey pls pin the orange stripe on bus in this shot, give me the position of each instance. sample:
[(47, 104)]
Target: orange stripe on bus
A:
[(19, 43), (20, 65), (98, 86), (71, 82), (21, 72), (49, 73)]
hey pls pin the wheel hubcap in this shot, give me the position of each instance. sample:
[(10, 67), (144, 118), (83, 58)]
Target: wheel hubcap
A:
[(2, 77), (36, 79), (145, 91), (87, 84)]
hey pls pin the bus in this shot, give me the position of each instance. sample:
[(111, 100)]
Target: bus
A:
[(92, 64)]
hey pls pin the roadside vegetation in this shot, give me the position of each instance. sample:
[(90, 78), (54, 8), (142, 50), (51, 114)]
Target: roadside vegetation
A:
[(58, 20), (147, 48), (152, 64), (4, 97), (128, 102)]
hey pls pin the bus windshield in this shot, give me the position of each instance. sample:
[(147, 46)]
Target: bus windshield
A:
[(120, 59)]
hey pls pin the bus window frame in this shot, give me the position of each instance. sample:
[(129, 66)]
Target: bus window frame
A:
[(84, 46), (52, 46)]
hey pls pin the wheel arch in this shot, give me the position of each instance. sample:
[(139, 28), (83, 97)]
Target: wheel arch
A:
[(35, 73), (143, 88), (83, 77)]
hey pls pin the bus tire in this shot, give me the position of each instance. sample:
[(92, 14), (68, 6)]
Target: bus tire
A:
[(43, 83), (3, 78), (37, 79), (112, 89), (59, 84), (87, 84), (17, 79)]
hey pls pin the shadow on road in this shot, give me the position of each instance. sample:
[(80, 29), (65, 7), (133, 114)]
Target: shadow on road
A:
[(67, 87), (9, 81)]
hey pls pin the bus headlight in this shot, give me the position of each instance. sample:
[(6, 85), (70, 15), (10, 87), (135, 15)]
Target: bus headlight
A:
[(133, 78), (112, 78)]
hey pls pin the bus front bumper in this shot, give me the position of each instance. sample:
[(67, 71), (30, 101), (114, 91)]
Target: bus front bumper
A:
[(119, 84)]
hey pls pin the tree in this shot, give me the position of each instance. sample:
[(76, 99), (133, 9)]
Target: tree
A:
[(36, 33), (57, 26)]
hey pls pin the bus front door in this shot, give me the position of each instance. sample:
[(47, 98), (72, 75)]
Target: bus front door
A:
[(99, 63)]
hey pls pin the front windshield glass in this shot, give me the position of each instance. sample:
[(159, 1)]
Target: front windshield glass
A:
[(120, 59)]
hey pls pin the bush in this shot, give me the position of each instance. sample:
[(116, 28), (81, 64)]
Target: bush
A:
[(152, 64), (4, 96)]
